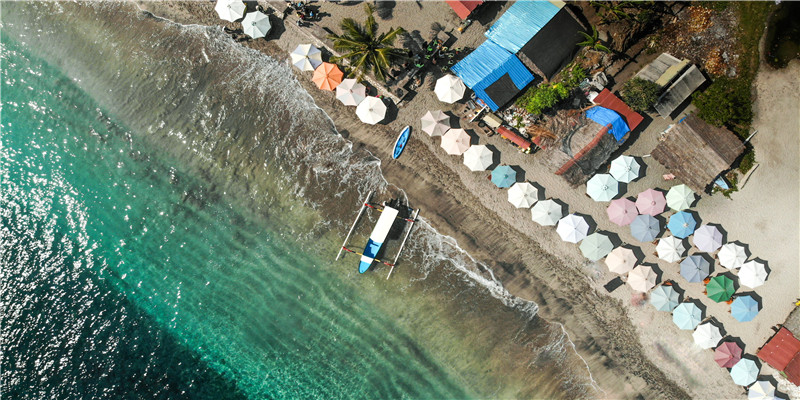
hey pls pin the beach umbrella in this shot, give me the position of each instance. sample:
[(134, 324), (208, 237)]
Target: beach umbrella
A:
[(572, 228), (761, 390), (306, 57), (435, 123), (621, 260), (478, 158), (707, 335), (596, 246), (622, 211), (753, 274), (744, 372), (547, 212), (327, 76), (449, 88), (350, 92), (720, 288), (651, 202), (256, 24), (504, 176), (602, 187), (371, 110), (732, 256), (687, 315), (727, 354), (624, 169), (670, 249), (664, 298), (523, 195), (680, 197), (695, 268), (230, 10), (681, 224), (642, 278), (455, 142), (645, 228), (707, 238), (744, 308)]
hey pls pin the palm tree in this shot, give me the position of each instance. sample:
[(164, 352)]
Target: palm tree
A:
[(593, 41), (364, 49)]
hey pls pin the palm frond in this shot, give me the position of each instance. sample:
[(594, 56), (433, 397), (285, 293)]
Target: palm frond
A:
[(389, 37)]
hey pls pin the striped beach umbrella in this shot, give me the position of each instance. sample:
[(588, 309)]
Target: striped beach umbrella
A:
[(664, 298), (621, 260), (651, 202), (256, 24), (732, 255), (645, 228), (435, 123), (695, 268), (681, 224), (230, 10), (687, 315), (753, 274), (670, 249), (720, 288), (727, 354), (504, 176), (328, 76), (455, 142), (680, 197), (602, 187), (306, 57), (707, 238), (642, 278), (547, 212), (350, 92), (624, 169), (449, 88), (522, 194), (572, 228), (478, 158), (744, 308), (745, 372), (707, 335), (622, 211), (596, 246)]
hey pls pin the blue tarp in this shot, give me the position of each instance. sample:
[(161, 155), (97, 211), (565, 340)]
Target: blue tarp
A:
[(604, 116), (488, 63), (520, 23)]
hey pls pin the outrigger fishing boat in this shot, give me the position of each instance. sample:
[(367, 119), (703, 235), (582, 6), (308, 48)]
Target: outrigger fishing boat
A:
[(401, 141), (391, 213)]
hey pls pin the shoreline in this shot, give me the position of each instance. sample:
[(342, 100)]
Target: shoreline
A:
[(602, 332)]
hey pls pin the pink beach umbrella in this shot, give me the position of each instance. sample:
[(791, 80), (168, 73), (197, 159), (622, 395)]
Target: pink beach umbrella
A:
[(455, 142), (622, 211), (651, 202), (727, 354)]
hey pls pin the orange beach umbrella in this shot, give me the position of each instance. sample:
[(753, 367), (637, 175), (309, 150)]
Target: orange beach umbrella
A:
[(327, 76)]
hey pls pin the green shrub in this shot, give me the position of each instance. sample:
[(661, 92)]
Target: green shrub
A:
[(726, 103), (539, 99), (640, 94), (747, 162)]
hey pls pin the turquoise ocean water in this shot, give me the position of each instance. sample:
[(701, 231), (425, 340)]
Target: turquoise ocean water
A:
[(169, 227)]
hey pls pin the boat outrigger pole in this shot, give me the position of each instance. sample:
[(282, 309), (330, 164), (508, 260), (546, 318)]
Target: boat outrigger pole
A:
[(413, 220), (364, 205)]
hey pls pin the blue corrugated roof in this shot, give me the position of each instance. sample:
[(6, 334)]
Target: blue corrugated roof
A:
[(488, 63), (520, 23), (604, 116)]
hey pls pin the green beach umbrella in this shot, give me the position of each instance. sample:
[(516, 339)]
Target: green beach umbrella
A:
[(596, 246), (680, 197), (547, 212), (720, 288)]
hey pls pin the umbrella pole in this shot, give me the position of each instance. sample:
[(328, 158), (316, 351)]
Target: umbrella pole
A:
[(413, 220), (358, 217)]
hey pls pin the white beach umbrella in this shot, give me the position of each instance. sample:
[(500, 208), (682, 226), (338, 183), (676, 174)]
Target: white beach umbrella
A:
[(621, 260), (230, 10), (642, 278), (455, 142), (256, 24), (350, 92), (546, 212), (306, 57), (522, 194), (680, 197), (435, 123), (371, 110), (761, 390), (707, 335), (707, 238), (753, 274), (449, 88), (670, 249), (602, 187), (624, 169), (478, 158), (732, 256), (572, 228)]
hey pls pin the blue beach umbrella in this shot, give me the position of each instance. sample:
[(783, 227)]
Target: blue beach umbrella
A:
[(695, 268), (504, 176), (745, 372), (744, 308), (645, 228), (687, 316), (664, 298), (681, 224)]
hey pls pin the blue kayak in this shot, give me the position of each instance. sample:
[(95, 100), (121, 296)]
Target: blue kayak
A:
[(400, 144)]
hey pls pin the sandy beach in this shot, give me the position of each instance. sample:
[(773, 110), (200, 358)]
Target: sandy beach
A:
[(630, 350)]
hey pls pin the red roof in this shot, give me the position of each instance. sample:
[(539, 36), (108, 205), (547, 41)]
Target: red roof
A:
[(464, 7), (792, 370), (780, 350), (517, 139), (608, 100)]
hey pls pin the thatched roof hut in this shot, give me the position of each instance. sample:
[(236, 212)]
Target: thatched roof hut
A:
[(696, 152)]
